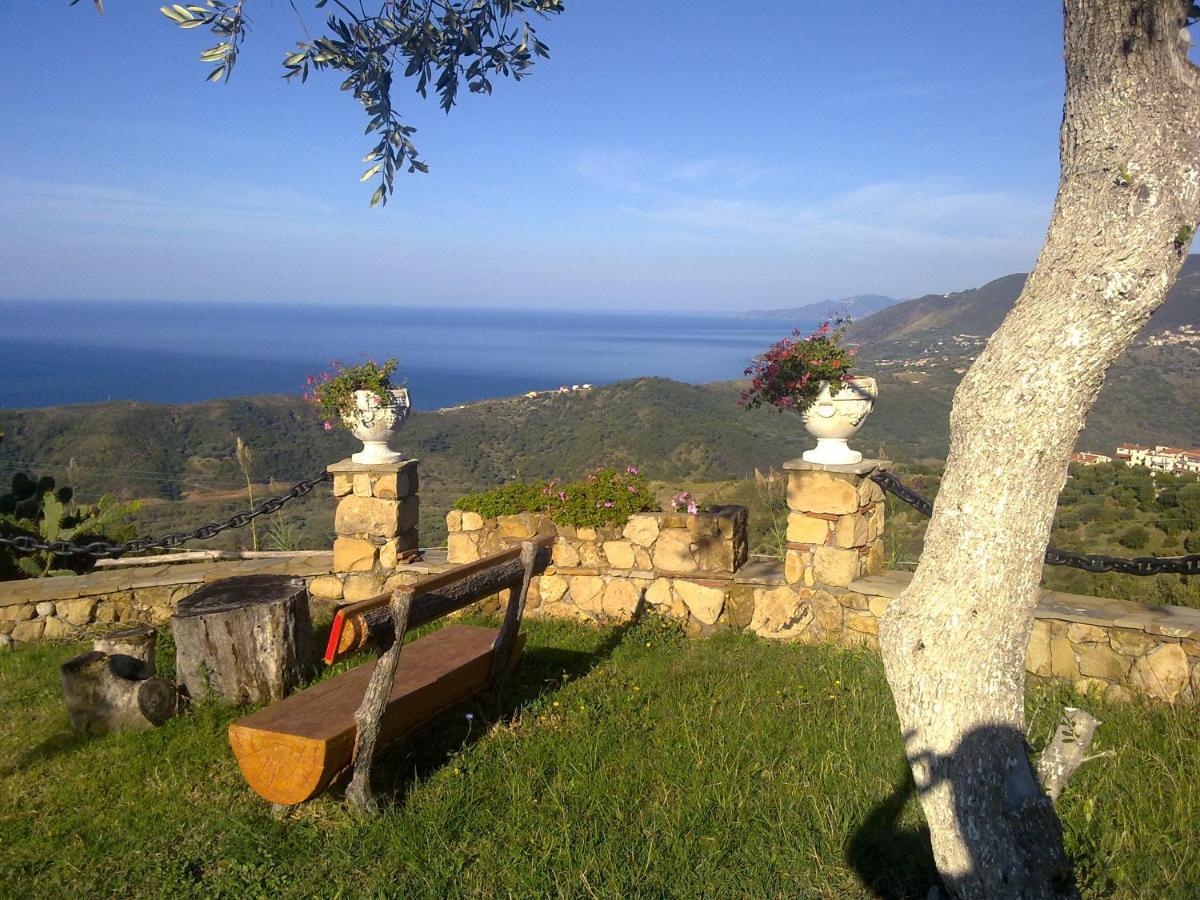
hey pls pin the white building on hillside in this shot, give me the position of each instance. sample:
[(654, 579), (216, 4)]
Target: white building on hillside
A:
[(1160, 458)]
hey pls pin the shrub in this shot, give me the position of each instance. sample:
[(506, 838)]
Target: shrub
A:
[(606, 497), (1134, 537)]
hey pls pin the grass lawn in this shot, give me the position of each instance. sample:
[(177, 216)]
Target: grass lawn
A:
[(631, 763)]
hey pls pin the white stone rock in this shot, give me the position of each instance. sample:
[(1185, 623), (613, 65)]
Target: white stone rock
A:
[(658, 594), (705, 602), (553, 587), (586, 592), (642, 529), (619, 554), (1163, 673), (45, 609), (780, 613)]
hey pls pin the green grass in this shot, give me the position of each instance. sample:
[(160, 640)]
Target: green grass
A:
[(630, 763)]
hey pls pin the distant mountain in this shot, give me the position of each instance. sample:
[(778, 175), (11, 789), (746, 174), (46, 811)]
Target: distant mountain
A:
[(851, 307), (980, 311)]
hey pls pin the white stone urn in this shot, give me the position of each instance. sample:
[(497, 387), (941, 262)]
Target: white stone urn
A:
[(832, 418), (374, 423)]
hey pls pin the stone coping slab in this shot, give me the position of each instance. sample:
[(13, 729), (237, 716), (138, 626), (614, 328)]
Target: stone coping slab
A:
[(67, 587), (346, 467), (866, 467), (1169, 621)]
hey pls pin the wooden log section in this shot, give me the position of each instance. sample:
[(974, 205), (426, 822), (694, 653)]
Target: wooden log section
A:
[(292, 750), (244, 640), (113, 688), (369, 621), (132, 650)]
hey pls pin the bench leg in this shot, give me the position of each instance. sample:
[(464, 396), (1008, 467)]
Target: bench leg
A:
[(370, 712), (502, 649)]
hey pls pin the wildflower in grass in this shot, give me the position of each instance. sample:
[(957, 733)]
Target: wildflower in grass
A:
[(632, 470), (470, 717), (608, 504), (327, 425), (692, 508)]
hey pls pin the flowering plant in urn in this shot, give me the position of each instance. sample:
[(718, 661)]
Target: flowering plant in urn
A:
[(811, 375), (362, 399)]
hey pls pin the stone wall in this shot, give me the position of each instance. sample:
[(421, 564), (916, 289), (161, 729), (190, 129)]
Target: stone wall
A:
[(713, 542), (68, 606)]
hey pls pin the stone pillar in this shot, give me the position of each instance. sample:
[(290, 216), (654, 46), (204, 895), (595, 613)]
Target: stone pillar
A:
[(376, 525), (835, 523)]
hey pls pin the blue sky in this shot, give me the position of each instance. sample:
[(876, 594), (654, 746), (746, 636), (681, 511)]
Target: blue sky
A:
[(679, 155)]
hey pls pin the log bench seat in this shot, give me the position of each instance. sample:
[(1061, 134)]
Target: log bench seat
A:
[(292, 750)]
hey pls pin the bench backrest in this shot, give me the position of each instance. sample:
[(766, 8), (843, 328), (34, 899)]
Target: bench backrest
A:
[(357, 624)]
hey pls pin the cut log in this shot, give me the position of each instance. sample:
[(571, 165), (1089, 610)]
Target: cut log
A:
[(291, 751), (243, 640), (132, 650), (100, 698)]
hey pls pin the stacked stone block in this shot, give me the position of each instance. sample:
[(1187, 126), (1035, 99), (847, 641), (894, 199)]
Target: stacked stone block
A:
[(376, 523), (835, 523)]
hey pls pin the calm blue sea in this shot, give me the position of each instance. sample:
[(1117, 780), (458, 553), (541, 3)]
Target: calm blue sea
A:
[(61, 352)]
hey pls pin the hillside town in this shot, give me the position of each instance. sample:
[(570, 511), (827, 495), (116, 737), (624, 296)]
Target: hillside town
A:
[(1158, 458)]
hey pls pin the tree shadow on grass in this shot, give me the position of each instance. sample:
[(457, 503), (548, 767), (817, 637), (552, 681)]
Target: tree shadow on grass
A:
[(1011, 835), (892, 861), (430, 746)]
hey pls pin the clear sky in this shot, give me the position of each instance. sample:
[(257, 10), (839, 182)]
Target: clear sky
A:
[(678, 154)]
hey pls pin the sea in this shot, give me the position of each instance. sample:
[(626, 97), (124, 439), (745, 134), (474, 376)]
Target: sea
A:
[(60, 352)]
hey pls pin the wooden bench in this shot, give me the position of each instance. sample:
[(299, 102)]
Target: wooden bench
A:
[(292, 750)]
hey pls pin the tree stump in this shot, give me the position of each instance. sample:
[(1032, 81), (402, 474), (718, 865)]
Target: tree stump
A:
[(114, 688), (243, 640), (132, 650)]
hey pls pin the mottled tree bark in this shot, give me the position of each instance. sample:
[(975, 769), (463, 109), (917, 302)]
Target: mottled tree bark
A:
[(954, 643)]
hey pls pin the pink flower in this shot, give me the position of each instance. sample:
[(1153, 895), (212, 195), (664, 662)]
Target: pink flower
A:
[(327, 425), (562, 495), (692, 508), (310, 380), (608, 504), (631, 489), (632, 470)]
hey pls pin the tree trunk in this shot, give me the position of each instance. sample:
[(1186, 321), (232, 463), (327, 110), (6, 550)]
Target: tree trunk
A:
[(243, 640), (954, 643)]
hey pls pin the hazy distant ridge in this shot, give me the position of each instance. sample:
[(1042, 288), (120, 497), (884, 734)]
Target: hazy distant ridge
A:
[(852, 307), (981, 310)]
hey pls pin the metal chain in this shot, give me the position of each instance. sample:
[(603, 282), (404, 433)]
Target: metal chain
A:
[(1089, 562), (28, 544)]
